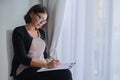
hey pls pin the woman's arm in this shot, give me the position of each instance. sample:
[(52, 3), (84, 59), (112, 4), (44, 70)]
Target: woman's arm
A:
[(50, 64), (37, 63), (19, 47)]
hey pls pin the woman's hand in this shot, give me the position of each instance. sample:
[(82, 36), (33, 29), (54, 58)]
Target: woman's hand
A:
[(53, 63)]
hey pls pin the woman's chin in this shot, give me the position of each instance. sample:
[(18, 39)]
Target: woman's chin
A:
[(38, 27)]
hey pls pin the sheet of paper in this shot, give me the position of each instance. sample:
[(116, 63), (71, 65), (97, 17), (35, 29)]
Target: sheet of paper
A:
[(61, 66)]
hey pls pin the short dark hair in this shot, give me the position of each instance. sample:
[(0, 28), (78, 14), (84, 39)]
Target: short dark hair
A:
[(35, 9)]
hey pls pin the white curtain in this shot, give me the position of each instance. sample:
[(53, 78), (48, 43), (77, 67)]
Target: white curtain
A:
[(86, 32), (115, 50), (78, 38), (56, 9)]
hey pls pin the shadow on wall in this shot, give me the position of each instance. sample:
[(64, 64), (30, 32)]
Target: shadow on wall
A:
[(9, 51)]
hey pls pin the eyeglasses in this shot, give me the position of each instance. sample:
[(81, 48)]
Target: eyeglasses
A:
[(41, 19)]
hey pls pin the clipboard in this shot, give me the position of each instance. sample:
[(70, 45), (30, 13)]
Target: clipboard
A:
[(60, 67)]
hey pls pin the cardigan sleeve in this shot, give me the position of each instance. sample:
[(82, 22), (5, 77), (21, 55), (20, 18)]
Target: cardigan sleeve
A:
[(19, 48)]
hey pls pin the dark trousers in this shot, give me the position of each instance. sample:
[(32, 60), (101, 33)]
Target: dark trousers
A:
[(31, 74)]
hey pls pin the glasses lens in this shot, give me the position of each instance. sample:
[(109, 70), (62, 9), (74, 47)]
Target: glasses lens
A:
[(42, 20)]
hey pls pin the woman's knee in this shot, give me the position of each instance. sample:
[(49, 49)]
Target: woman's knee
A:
[(65, 74)]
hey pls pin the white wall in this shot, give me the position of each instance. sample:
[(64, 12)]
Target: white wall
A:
[(32, 2), (11, 15)]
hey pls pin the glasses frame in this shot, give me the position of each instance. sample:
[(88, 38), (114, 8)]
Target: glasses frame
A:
[(41, 19)]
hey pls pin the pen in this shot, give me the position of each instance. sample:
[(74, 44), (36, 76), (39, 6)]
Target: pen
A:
[(51, 57)]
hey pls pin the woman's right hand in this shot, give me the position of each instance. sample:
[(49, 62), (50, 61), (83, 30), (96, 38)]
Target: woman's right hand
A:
[(53, 63)]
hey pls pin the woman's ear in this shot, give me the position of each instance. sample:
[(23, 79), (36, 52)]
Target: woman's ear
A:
[(31, 14)]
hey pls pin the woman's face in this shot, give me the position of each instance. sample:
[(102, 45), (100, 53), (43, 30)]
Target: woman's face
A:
[(38, 20)]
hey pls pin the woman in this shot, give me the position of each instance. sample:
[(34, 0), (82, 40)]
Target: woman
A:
[(29, 49)]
